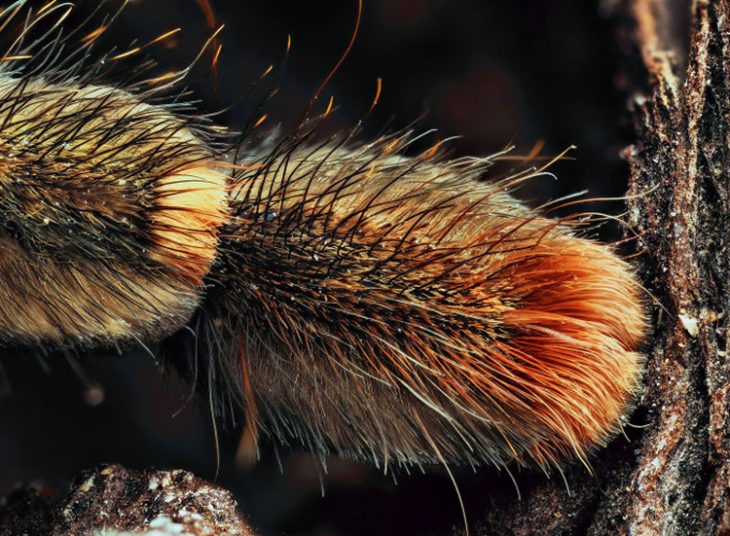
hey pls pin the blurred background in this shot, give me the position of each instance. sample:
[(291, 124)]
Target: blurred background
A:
[(525, 72)]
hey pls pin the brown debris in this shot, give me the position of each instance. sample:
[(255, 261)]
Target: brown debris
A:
[(114, 501)]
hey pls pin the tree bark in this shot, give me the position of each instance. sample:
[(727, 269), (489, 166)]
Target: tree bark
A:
[(674, 478)]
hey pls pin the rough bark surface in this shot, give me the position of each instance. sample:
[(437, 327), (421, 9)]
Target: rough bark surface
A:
[(674, 478)]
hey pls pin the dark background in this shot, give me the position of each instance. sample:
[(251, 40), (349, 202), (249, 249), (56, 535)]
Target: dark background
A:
[(494, 72)]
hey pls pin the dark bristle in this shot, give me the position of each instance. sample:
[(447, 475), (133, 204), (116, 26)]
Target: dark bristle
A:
[(367, 291), (358, 298)]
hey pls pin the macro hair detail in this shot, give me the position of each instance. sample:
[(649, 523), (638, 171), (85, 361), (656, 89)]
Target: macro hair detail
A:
[(352, 296)]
